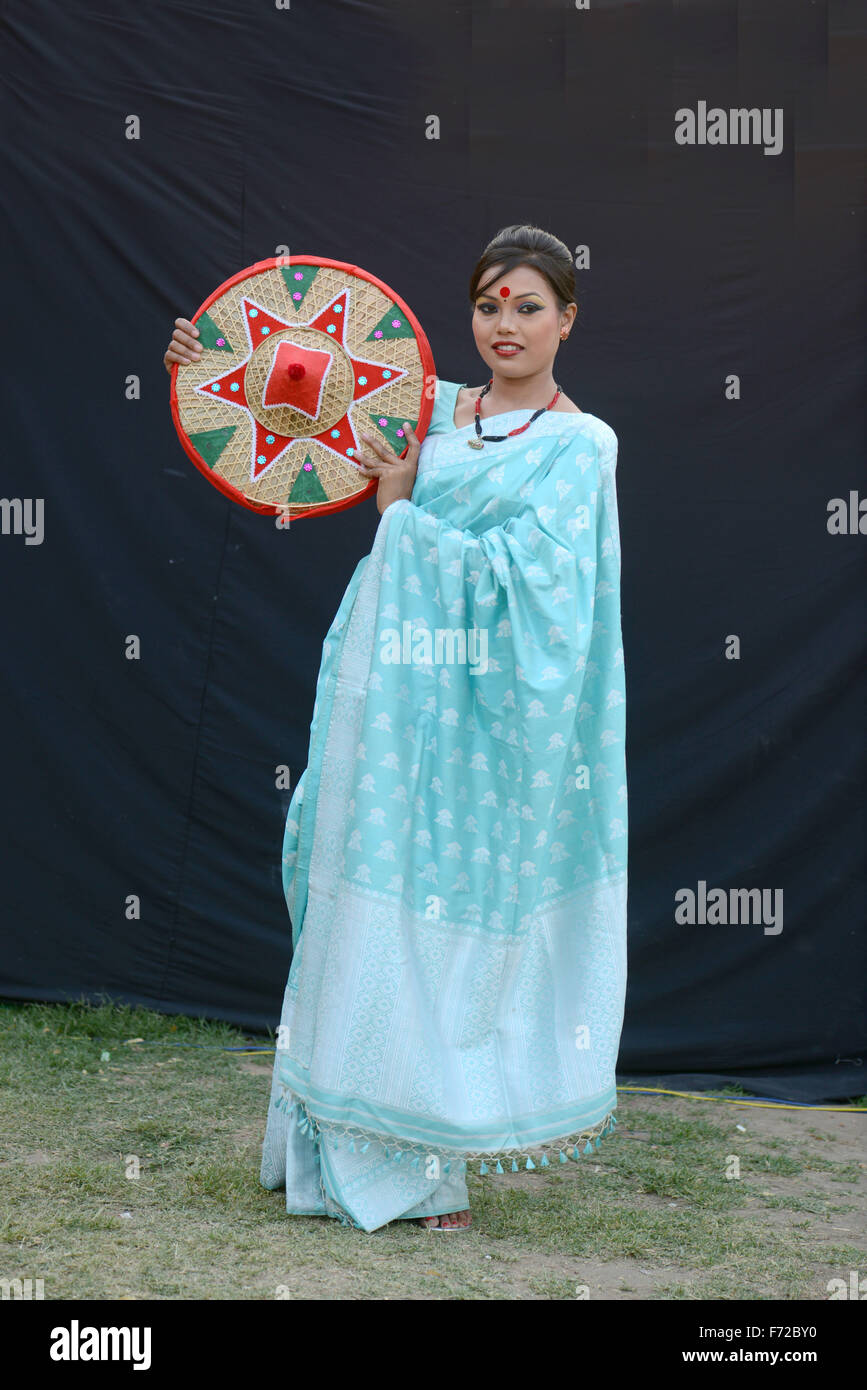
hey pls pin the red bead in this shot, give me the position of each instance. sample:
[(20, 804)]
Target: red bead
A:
[(297, 370)]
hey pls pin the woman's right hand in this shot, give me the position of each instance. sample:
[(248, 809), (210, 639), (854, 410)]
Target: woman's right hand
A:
[(183, 346)]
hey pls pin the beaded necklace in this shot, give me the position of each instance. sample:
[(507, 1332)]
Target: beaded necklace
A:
[(479, 441)]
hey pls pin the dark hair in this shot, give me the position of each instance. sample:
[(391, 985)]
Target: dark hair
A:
[(521, 244)]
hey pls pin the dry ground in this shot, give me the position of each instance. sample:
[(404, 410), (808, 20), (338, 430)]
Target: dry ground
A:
[(651, 1215)]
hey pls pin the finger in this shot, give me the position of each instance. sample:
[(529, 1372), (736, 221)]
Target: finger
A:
[(187, 336), (362, 453), (186, 340), (386, 454), (371, 460), (187, 349), (411, 436)]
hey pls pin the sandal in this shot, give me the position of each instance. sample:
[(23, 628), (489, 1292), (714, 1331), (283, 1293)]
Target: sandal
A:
[(449, 1225)]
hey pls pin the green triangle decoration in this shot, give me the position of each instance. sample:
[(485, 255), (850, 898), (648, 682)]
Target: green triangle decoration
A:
[(393, 324), (211, 336), (298, 280), (307, 488), (211, 443), (390, 428)]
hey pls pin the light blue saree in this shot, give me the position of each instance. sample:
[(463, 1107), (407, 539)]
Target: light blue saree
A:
[(455, 854)]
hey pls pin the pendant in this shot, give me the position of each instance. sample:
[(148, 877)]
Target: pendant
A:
[(475, 443)]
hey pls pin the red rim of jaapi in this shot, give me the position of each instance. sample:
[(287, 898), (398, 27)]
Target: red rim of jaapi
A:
[(425, 412)]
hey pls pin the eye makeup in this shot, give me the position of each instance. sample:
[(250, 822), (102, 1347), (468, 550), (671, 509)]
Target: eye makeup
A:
[(532, 307)]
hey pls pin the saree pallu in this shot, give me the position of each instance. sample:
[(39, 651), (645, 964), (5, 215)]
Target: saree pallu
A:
[(455, 853)]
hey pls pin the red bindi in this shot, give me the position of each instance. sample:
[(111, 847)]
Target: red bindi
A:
[(505, 291)]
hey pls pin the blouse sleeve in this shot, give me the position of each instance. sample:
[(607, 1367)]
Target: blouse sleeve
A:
[(442, 416)]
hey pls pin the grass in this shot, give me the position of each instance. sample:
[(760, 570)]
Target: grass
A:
[(135, 1176)]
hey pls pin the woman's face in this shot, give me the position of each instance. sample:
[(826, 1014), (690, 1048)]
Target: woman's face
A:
[(527, 317)]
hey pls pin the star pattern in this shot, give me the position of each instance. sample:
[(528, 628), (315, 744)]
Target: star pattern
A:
[(297, 378)]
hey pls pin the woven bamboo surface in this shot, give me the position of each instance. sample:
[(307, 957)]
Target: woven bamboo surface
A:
[(232, 451)]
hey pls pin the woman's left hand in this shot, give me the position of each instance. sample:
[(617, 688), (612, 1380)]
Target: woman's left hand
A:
[(396, 475)]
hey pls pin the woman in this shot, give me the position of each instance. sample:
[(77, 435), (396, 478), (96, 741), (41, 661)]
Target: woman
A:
[(455, 853)]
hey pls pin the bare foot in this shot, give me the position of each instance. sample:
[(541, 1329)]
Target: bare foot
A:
[(449, 1221)]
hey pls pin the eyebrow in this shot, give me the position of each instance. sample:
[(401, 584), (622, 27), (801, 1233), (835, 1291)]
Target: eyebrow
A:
[(525, 295)]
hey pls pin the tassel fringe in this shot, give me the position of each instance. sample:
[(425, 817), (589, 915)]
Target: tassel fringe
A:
[(415, 1154)]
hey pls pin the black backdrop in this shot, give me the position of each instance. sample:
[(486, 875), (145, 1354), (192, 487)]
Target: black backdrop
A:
[(308, 126)]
